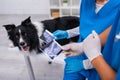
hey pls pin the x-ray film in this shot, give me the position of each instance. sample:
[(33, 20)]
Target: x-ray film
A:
[(48, 36), (51, 48)]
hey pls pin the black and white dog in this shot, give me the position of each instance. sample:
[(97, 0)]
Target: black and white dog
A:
[(26, 36)]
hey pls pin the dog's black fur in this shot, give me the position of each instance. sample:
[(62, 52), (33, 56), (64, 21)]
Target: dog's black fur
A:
[(26, 36)]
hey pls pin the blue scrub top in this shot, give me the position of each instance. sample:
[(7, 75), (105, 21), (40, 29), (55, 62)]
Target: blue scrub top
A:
[(90, 20)]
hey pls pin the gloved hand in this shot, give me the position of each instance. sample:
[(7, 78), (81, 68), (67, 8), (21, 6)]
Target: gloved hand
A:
[(92, 46), (73, 49), (60, 34), (74, 64)]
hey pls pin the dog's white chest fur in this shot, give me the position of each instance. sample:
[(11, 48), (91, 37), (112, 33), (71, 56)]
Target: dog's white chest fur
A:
[(39, 26)]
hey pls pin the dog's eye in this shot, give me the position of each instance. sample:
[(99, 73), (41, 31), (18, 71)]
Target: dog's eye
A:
[(17, 36), (24, 34)]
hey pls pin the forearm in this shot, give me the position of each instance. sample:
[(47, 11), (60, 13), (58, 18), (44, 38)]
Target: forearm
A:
[(104, 70), (103, 36), (73, 32), (92, 49)]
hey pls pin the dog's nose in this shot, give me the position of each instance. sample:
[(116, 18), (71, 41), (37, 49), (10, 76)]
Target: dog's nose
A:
[(22, 43)]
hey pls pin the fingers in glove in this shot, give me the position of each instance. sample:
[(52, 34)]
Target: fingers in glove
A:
[(95, 34), (89, 37), (69, 47), (65, 47), (69, 54), (56, 32)]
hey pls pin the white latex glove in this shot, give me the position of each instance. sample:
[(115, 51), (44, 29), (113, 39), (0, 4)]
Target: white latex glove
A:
[(73, 49), (92, 46), (87, 64)]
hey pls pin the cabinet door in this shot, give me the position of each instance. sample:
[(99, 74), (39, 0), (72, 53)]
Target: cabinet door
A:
[(75, 7), (59, 8), (54, 8), (75, 12), (65, 12), (54, 3)]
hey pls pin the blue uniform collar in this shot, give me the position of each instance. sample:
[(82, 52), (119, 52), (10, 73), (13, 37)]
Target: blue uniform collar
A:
[(104, 9), (89, 20)]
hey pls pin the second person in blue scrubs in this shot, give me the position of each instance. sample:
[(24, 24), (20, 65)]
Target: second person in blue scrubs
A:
[(106, 63), (96, 15)]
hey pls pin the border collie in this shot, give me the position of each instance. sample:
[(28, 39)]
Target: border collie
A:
[(27, 35)]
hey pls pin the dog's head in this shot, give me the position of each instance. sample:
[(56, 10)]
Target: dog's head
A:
[(24, 35)]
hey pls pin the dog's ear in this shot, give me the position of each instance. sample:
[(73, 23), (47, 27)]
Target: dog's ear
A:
[(9, 27), (26, 21)]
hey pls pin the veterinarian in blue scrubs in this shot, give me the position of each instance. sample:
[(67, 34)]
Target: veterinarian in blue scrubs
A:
[(106, 64), (99, 20)]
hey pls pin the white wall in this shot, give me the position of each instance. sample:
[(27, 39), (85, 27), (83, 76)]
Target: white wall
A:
[(24, 6)]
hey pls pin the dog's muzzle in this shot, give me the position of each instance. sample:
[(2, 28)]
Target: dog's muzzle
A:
[(24, 46)]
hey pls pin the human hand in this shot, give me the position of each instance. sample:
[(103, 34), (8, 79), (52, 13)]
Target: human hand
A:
[(60, 34), (92, 46), (73, 49)]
